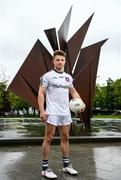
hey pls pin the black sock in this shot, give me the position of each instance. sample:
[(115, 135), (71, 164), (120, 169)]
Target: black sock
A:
[(65, 161), (44, 165)]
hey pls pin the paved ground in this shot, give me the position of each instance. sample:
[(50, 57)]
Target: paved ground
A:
[(94, 161)]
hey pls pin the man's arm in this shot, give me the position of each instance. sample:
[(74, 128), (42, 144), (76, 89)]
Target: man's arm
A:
[(75, 94), (41, 99)]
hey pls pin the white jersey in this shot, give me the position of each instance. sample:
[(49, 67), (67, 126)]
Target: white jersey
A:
[(57, 92)]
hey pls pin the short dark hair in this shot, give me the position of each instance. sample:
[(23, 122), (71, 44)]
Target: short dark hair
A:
[(59, 52)]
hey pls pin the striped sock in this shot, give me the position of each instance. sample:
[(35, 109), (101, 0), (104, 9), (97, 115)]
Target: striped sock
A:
[(65, 161), (44, 165)]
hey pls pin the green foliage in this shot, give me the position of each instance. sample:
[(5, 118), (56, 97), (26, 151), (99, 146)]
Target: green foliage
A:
[(107, 116), (4, 100), (117, 92), (108, 96), (17, 103), (11, 102), (100, 96)]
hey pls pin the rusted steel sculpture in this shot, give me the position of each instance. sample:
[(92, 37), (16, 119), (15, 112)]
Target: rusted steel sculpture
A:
[(26, 82)]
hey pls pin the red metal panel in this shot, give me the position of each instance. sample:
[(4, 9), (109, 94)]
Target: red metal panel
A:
[(86, 54), (74, 44), (38, 62), (52, 38), (63, 31), (85, 76), (82, 83), (23, 90)]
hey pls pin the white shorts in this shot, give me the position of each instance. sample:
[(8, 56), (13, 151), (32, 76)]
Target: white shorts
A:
[(59, 120)]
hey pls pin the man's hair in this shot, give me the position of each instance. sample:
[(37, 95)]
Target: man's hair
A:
[(59, 52)]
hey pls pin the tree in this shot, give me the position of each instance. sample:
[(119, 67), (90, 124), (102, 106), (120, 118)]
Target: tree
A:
[(110, 97), (18, 104), (4, 98), (100, 96), (117, 93)]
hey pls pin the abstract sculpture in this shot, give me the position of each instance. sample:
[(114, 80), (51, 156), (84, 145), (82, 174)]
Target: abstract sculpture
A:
[(26, 82)]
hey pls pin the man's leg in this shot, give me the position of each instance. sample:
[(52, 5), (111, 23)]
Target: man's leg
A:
[(49, 133), (64, 133)]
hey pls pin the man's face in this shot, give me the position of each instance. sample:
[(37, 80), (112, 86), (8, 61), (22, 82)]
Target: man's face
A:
[(59, 62)]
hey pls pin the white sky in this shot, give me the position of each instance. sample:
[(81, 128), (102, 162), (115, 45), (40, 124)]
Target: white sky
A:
[(22, 22)]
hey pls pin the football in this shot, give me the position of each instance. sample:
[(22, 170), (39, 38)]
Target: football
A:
[(76, 105)]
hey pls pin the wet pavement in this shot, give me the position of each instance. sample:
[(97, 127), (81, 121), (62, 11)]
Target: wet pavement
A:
[(94, 161), (32, 127)]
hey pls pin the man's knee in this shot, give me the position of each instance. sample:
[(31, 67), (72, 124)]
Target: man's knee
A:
[(65, 137), (48, 139)]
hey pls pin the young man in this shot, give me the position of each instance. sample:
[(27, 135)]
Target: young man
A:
[(56, 85)]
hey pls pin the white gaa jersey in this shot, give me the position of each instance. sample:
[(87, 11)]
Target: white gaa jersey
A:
[(57, 92)]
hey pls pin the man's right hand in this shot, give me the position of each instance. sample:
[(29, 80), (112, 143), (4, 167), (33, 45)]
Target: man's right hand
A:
[(43, 116)]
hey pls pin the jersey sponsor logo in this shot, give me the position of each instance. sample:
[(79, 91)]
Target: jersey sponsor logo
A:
[(67, 79), (59, 86)]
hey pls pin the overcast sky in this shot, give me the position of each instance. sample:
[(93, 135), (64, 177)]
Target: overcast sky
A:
[(22, 22)]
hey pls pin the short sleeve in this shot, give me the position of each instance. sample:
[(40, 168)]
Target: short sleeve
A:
[(71, 82), (44, 81)]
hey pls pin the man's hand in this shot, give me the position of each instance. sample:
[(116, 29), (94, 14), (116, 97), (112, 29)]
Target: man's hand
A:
[(43, 116), (79, 112), (82, 109)]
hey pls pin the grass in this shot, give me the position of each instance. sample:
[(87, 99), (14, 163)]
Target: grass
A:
[(107, 116), (93, 116)]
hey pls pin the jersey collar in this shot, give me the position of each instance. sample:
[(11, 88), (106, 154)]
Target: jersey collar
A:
[(58, 71)]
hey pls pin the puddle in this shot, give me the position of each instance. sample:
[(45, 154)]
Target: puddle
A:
[(23, 127)]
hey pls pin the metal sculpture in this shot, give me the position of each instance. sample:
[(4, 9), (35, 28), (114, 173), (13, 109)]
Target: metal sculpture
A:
[(26, 82)]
